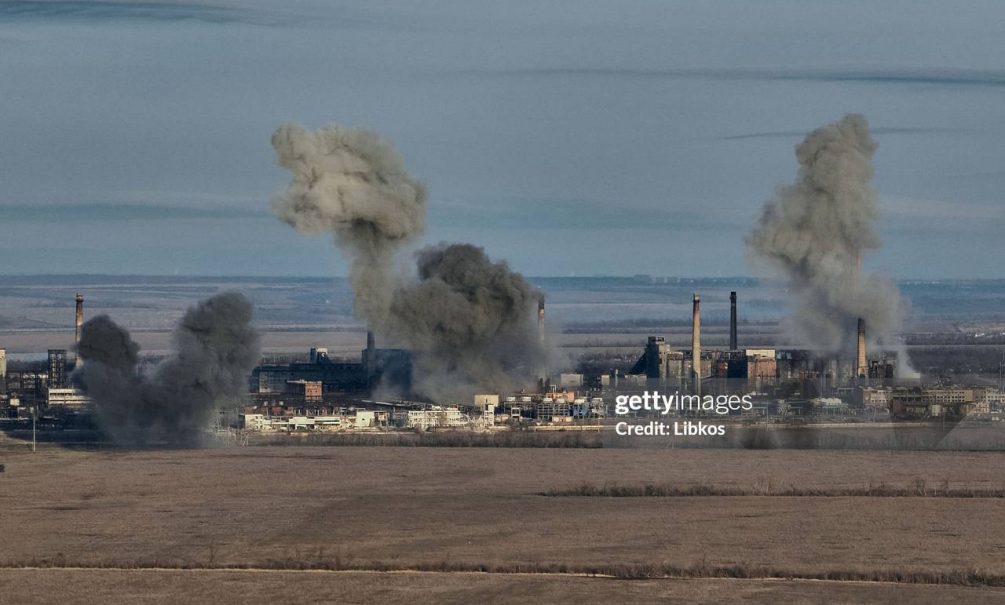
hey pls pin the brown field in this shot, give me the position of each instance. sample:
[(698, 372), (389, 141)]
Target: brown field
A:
[(450, 510), (86, 587)]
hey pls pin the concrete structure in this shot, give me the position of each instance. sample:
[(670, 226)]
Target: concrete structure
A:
[(540, 318), (657, 360), (486, 406), (67, 398), (870, 398), (861, 366), (696, 345), (57, 368), (78, 325), (482, 400), (390, 367), (436, 417), (318, 355), (993, 399), (310, 390), (570, 381), (3, 365), (732, 322), (914, 403)]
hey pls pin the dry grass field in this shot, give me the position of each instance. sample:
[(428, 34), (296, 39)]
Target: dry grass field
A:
[(193, 587), (467, 509)]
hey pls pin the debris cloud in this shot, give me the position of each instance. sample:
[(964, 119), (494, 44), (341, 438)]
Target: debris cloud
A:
[(468, 321), (353, 184), (215, 348), (816, 231)]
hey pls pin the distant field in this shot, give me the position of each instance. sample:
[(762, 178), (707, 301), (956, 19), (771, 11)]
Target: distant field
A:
[(36, 312), (474, 508)]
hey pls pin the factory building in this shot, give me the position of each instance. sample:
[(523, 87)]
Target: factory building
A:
[(308, 390), (68, 399), (57, 368), (919, 403), (388, 367)]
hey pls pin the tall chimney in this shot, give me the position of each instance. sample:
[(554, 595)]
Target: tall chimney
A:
[(861, 366), (79, 324), (370, 358), (540, 318), (542, 372), (696, 345), (732, 321)]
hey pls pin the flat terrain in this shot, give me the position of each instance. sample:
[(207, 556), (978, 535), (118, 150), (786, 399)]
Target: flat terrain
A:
[(461, 508), (86, 587)]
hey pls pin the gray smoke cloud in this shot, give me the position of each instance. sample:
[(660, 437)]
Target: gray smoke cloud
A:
[(215, 348), (816, 231), (351, 183), (468, 321)]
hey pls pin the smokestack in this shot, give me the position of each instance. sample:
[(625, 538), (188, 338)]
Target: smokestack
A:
[(370, 357), (732, 321), (861, 367), (78, 325), (696, 345), (540, 318)]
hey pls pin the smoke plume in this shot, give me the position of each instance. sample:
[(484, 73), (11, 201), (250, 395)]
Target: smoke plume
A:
[(469, 322), (353, 184), (215, 348), (816, 230)]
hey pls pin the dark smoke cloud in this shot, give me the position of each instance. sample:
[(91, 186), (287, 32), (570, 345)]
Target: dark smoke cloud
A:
[(816, 230), (468, 321), (215, 348)]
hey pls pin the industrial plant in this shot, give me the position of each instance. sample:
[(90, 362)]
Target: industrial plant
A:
[(373, 392)]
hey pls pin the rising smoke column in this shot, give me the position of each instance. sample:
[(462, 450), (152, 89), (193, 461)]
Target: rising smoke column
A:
[(468, 321), (215, 349), (816, 230), (353, 184)]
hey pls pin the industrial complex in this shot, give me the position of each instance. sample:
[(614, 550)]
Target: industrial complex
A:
[(372, 392)]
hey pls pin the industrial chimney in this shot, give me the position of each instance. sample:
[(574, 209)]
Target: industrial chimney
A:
[(732, 321), (542, 372), (540, 318), (79, 324), (861, 366), (370, 358), (696, 345)]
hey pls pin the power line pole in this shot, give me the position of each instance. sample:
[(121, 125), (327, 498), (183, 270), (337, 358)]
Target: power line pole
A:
[(34, 414)]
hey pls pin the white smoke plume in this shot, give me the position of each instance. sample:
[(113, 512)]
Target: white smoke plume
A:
[(469, 322), (215, 348), (816, 231)]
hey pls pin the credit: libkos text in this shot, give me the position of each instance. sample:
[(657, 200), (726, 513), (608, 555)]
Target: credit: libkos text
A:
[(657, 429)]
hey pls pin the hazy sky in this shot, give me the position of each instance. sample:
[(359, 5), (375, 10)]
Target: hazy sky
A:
[(572, 137)]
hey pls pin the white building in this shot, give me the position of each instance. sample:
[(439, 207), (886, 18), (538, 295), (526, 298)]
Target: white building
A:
[(435, 417), (67, 398), (570, 381)]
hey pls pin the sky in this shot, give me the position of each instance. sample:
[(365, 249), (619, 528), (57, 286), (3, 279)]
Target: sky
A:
[(571, 137)]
